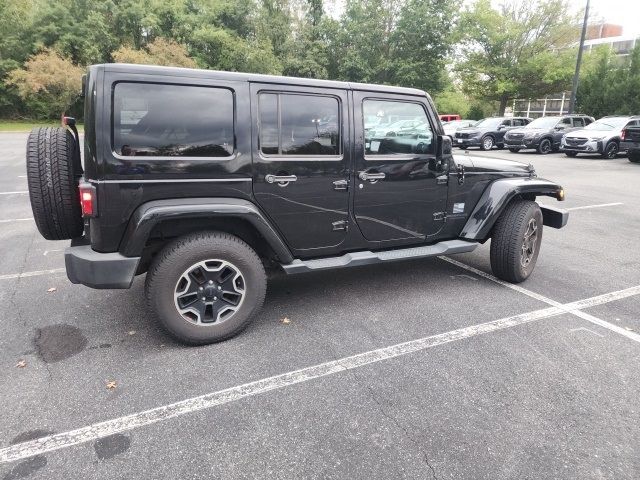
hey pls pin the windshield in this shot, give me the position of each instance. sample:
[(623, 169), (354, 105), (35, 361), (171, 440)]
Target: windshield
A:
[(608, 124), (543, 122), (489, 122)]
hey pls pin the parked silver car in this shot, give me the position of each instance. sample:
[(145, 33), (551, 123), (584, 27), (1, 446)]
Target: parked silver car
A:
[(450, 128), (602, 136)]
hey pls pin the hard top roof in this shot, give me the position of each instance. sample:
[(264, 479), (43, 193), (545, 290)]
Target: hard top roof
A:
[(252, 77)]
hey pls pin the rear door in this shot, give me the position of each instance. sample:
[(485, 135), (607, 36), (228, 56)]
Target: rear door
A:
[(401, 187), (300, 159)]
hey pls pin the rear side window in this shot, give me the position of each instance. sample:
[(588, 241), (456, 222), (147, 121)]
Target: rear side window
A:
[(578, 122), (172, 121), (299, 125)]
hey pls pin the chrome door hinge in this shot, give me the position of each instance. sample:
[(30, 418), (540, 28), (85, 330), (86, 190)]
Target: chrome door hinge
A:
[(439, 216), (340, 225), (340, 185)]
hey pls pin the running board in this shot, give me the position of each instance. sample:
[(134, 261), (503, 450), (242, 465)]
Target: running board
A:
[(366, 257)]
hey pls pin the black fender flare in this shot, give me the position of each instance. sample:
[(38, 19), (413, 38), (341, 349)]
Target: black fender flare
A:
[(150, 214), (499, 193)]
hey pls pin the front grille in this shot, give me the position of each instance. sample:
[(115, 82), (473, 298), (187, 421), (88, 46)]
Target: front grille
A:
[(575, 141), (462, 135)]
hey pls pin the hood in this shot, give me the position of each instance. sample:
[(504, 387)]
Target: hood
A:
[(495, 165), (594, 133)]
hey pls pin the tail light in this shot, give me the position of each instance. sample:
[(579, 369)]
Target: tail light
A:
[(623, 134), (88, 199)]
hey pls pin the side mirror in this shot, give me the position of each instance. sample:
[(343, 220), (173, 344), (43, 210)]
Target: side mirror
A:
[(445, 146)]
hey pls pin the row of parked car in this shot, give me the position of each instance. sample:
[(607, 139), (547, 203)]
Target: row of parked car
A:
[(571, 134)]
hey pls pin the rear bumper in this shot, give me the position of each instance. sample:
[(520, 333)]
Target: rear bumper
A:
[(629, 146), (99, 270)]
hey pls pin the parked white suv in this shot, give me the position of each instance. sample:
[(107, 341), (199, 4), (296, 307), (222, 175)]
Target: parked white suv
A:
[(602, 136)]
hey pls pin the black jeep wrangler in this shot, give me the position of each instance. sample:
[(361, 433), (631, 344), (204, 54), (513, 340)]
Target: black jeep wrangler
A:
[(203, 178)]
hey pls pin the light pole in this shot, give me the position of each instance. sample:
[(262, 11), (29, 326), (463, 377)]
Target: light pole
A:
[(576, 75)]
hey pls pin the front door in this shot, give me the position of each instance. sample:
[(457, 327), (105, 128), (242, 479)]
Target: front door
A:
[(300, 158), (400, 187)]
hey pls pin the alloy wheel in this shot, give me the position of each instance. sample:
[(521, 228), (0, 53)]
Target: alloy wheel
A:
[(529, 242), (210, 291)]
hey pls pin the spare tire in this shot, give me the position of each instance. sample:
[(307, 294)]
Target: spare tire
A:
[(53, 183)]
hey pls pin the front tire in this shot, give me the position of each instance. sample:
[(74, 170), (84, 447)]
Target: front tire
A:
[(486, 143), (545, 146), (515, 241), (611, 150), (571, 154), (206, 287), (514, 150)]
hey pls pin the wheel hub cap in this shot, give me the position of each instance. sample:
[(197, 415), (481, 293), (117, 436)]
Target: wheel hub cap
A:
[(210, 291)]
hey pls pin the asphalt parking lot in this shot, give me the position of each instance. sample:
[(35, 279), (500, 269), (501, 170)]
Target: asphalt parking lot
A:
[(423, 369)]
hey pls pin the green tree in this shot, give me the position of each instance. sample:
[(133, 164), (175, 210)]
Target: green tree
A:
[(521, 49), (609, 85), (401, 42)]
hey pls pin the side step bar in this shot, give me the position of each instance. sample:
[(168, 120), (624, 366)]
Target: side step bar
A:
[(366, 257)]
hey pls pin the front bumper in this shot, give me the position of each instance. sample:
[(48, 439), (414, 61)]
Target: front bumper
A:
[(590, 146), (99, 270), (521, 142), (467, 142)]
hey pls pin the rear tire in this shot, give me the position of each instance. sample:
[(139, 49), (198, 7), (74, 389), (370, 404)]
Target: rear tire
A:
[(209, 263), (514, 150), (634, 157), (515, 241), (53, 183)]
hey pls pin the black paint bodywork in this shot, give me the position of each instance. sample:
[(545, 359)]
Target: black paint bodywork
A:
[(426, 198)]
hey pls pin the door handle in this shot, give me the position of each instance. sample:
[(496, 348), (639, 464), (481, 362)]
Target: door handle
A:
[(364, 176), (281, 180)]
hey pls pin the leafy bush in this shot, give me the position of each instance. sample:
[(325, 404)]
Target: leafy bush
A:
[(49, 84), (159, 52)]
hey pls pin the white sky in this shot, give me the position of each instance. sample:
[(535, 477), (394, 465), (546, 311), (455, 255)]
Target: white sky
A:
[(621, 12)]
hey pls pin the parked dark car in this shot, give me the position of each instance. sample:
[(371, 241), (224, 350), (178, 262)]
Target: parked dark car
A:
[(488, 132), (202, 179), (603, 137), (544, 134), (631, 142)]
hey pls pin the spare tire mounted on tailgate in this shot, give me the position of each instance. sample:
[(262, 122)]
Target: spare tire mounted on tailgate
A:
[(52, 175)]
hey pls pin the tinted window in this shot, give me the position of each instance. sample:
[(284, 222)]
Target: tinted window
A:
[(566, 121), (506, 123), (519, 122), (577, 122), (172, 120), (396, 128), (309, 124)]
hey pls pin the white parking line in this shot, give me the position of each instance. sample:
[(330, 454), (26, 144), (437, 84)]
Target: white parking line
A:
[(574, 307), (595, 206), (16, 220), (22, 192), (31, 274), (184, 407)]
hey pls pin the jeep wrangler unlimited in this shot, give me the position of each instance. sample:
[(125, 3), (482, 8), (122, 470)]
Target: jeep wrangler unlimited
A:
[(202, 179)]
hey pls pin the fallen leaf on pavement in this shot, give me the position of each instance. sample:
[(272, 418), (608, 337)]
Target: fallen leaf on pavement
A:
[(52, 289), (285, 320), (131, 332), (111, 385), (21, 364)]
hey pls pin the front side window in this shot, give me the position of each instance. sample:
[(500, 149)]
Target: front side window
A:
[(396, 128), (292, 124), (578, 122), (172, 121)]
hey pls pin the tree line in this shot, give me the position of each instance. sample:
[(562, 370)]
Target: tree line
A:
[(471, 57)]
